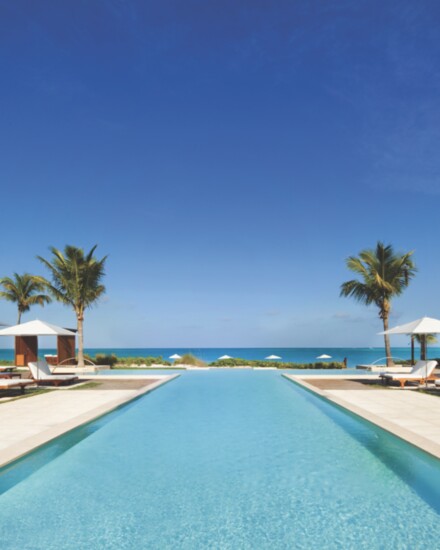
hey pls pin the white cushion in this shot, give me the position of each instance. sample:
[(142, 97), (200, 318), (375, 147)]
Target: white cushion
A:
[(41, 371), (7, 382)]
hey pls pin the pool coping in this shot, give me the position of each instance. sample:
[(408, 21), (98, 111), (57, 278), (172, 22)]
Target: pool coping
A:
[(408, 436), (32, 443)]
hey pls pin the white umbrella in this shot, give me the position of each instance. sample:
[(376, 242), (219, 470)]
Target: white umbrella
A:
[(423, 326), (225, 357), (273, 357), (175, 356), (324, 356)]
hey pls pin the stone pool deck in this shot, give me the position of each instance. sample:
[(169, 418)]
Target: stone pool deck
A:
[(408, 414), (30, 422)]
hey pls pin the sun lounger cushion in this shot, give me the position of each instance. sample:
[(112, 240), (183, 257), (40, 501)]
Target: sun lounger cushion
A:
[(421, 370), (41, 371), (6, 384)]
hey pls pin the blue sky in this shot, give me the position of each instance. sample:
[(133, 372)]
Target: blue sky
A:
[(227, 155)]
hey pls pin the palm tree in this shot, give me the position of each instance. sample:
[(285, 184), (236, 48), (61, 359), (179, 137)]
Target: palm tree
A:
[(424, 340), (384, 274), (75, 281), (24, 290)]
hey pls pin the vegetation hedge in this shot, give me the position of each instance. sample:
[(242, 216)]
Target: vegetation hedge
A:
[(113, 360), (407, 362), (277, 364), (190, 359), (148, 361), (105, 359)]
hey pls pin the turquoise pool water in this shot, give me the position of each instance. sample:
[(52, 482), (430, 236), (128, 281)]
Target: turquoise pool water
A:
[(229, 460), (202, 372)]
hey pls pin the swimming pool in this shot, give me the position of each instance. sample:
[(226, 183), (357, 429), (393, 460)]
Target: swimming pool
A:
[(233, 459), (325, 372)]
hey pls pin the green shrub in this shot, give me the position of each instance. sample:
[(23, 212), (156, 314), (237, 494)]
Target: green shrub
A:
[(190, 359), (105, 359), (148, 361), (277, 364)]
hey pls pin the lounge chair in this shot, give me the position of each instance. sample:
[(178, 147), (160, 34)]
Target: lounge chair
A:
[(41, 374), (9, 372), (7, 368), (421, 372), (6, 384)]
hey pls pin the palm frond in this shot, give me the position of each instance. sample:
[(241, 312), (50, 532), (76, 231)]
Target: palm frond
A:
[(25, 290), (382, 273), (75, 277)]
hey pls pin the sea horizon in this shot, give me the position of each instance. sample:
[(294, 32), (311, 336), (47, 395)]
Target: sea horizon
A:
[(354, 355)]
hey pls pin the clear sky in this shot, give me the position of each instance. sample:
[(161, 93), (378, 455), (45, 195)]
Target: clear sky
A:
[(228, 155)]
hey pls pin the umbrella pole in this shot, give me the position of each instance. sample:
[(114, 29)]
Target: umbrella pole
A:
[(412, 351), (424, 358)]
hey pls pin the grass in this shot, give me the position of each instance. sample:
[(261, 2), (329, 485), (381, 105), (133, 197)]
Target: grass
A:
[(431, 391), (86, 386)]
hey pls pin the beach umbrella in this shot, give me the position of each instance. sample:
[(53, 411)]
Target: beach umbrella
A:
[(423, 327), (225, 357), (175, 356), (324, 356), (273, 357)]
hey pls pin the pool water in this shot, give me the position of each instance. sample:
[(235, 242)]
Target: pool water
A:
[(229, 459), (315, 372)]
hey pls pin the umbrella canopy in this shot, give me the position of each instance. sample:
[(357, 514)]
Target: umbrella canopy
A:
[(425, 325), (273, 357), (175, 356), (224, 357), (324, 356), (35, 328)]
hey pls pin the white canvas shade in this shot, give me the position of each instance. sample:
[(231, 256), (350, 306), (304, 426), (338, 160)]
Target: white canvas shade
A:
[(35, 328), (224, 357), (273, 357), (324, 356), (425, 325), (175, 356), (32, 330)]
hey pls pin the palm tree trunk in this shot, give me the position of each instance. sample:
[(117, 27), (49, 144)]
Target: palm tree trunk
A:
[(423, 347), (390, 361), (80, 341), (19, 317)]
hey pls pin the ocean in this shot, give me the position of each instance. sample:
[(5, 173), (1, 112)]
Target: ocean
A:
[(355, 356)]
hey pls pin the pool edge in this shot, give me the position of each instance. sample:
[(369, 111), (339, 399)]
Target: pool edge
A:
[(408, 436), (31, 444)]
